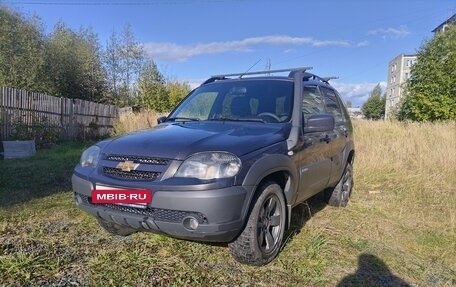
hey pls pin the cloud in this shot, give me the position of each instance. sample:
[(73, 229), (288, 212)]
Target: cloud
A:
[(176, 52), (288, 51), (390, 33), (194, 83), (362, 44), (357, 93)]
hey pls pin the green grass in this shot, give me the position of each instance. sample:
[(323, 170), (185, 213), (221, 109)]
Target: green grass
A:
[(400, 225), (48, 172)]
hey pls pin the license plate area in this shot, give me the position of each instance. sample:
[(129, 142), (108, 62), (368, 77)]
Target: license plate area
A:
[(136, 198)]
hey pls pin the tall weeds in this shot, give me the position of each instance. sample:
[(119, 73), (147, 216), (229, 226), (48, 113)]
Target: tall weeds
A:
[(411, 167), (414, 154), (135, 121)]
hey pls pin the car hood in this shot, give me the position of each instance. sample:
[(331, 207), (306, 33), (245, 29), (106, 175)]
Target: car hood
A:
[(180, 140)]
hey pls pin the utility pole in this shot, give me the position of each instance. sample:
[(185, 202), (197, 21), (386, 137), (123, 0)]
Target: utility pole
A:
[(268, 65)]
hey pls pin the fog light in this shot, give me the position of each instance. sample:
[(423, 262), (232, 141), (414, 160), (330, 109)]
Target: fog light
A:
[(190, 223)]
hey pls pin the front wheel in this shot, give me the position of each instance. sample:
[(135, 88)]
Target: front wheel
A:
[(261, 239)]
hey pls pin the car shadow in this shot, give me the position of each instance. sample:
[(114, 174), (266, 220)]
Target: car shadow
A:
[(301, 214), (372, 271)]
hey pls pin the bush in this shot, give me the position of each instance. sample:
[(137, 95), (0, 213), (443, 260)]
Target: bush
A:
[(41, 130), (374, 107)]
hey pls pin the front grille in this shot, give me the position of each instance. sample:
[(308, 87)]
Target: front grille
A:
[(133, 174), (138, 159), (167, 215)]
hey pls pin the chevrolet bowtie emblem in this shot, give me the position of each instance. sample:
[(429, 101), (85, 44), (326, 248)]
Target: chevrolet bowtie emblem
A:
[(127, 165)]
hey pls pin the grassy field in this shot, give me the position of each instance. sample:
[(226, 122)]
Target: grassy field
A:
[(399, 226)]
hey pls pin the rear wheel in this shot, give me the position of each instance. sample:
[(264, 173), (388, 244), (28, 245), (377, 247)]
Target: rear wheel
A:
[(261, 239), (340, 194), (115, 228)]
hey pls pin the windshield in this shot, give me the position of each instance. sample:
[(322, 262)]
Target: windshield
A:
[(268, 101)]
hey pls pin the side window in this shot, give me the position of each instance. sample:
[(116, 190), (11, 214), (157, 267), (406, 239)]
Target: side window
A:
[(312, 102), (332, 105)]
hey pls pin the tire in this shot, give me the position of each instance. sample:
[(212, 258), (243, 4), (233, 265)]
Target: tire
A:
[(339, 195), (261, 240), (115, 228)]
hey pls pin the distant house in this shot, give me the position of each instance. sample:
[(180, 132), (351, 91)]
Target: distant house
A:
[(355, 113), (445, 25)]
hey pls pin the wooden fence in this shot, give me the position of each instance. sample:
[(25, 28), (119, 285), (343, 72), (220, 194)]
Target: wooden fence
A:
[(72, 118)]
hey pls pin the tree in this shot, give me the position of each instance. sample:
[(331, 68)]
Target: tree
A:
[(21, 51), (348, 104), (158, 94), (73, 64), (90, 56), (124, 59), (431, 89), (374, 107), (152, 89), (176, 92)]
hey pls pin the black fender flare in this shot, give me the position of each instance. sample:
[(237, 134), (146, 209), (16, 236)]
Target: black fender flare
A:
[(268, 165)]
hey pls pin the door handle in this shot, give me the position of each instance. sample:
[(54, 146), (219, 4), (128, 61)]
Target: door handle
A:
[(326, 139), (345, 131)]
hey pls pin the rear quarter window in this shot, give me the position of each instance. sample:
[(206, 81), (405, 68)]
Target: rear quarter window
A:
[(312, 102), (332, 104)]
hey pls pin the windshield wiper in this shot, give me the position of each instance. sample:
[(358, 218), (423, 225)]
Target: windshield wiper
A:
[(182, 119), (238, 120)]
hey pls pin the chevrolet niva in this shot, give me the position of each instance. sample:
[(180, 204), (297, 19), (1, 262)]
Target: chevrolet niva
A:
[(228, 164)]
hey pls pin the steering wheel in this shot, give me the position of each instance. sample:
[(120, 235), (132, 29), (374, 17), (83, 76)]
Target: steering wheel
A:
[(271, 115)]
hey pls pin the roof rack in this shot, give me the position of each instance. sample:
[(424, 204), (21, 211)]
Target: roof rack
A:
[(292, 71), (213, 79), (309, 76), (327, 79)]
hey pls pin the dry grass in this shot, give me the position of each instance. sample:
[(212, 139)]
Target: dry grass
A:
[(414, 164), (404, 205), (135, 121), (401, 218)]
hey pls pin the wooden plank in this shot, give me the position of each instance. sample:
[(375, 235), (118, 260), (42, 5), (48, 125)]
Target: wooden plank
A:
[(52, 112)]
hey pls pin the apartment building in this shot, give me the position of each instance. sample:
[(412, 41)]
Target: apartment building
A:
[(398, 73), (445, 25)]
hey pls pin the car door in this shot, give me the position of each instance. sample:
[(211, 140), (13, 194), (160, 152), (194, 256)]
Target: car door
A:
[(333, 106), (314, 152)]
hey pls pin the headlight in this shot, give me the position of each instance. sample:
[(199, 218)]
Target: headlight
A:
[(90, 156), (210, 165)]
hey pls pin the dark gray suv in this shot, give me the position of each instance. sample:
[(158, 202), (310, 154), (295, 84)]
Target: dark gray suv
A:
[(228, 164)]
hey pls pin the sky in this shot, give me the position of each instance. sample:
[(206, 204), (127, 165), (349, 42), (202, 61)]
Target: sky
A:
[(190, 40)]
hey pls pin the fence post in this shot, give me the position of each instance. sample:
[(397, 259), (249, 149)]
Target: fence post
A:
[(71, 120), (2, 116), (63, 134)]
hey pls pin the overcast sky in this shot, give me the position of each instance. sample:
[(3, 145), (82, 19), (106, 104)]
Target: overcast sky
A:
[(193, 39)]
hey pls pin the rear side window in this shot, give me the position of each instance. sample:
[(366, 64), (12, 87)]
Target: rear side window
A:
[(312, 102), (332, 104)]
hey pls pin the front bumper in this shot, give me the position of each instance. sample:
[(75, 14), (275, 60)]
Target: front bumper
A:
[(219, 212)]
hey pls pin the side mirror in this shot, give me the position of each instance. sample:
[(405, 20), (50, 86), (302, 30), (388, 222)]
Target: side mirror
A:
[(161, 119), (320, 123)]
